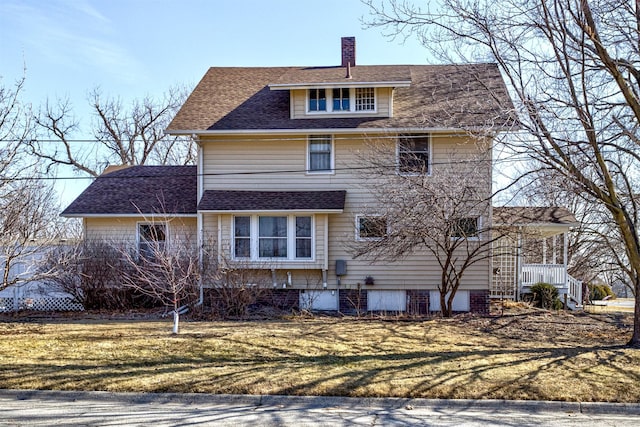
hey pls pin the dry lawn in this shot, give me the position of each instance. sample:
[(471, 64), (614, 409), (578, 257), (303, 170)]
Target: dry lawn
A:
[(522, 355)]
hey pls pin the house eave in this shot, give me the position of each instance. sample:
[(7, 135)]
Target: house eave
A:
[(345, 131), (539, 225), (341, 83), (262, 211), (136, 215)]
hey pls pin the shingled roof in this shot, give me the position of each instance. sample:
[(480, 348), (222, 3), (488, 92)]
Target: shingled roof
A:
[(439, 96), (534, 215), (233, 201), (139, 190)]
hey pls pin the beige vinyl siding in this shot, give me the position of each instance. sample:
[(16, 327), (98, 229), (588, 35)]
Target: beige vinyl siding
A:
[(299, 106), (278, 163), (122, 231)]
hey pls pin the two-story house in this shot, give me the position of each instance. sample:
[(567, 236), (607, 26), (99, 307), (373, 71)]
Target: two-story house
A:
[(277, 186)]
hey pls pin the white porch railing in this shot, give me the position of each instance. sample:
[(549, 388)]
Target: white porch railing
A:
[(575, 289), (555, 274)]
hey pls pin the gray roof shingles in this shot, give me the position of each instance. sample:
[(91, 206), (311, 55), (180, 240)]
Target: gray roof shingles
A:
[(440, 96), (145, 190), (225, 200)]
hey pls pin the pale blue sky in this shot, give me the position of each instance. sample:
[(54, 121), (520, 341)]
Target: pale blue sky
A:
[(131, 48)]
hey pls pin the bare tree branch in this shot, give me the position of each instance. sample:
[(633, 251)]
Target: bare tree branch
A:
[(572, 67)]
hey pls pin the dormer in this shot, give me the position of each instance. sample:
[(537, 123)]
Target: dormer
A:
[(344, 91)]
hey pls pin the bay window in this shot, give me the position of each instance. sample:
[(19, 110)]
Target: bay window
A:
[(260, 237)]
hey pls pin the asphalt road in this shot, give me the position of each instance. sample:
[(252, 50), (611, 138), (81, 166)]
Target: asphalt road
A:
[(53, 408)]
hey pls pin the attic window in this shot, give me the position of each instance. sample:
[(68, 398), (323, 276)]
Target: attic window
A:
[(342, 100), (317, 100), (365, 99)]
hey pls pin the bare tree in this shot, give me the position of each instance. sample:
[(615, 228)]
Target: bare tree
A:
[(122, 136), (27, 230), (573, 69), (28, 210), (15, 128), (444, 214), (168, 272)]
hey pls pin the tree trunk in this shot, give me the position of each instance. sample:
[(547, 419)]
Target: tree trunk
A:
[(635, 338), (176, 321), (445, 307)]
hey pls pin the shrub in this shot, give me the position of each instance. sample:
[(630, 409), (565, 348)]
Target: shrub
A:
[(92, 273), (599, 291), (545, 295)]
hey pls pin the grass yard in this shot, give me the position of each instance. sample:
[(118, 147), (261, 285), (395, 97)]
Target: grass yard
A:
[(532, 355)]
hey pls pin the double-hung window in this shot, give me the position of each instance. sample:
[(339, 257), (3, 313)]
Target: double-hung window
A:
[(152, 239), (465, 228), (320, 154), (370, 227), (414, 152), (242, 237), (262, 237), (341, 99), (317, 100), (303, 237), (272, 237)]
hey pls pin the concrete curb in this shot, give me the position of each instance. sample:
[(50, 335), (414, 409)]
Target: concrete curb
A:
[(533, 407)]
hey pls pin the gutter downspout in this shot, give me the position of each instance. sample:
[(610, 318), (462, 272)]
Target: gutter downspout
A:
[(325, 264), (200, 218)]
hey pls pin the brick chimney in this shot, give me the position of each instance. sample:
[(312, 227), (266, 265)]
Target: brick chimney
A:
[(348, 51)]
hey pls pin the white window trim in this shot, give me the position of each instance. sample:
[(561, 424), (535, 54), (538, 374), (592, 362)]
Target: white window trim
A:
[(291, 238), (375, 101), (328, 98), (352, 102), (429, 165), (332, 169), (166, 232), (357, 225), (478, 235)]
